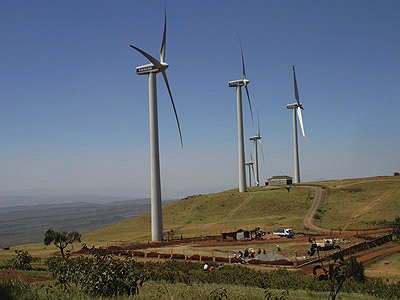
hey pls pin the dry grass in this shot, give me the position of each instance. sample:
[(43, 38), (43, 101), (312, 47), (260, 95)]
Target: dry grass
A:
[(357, 204), (215, 213)]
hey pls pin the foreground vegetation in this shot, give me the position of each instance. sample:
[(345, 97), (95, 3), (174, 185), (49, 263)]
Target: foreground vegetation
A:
[(14, 290), (108, 277)]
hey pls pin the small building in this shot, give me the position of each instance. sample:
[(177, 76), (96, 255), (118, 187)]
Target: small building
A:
[(280, 180), (239, 235), (396, 174)]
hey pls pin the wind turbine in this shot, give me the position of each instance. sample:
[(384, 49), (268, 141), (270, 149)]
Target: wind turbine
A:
[(250, 166), (152, 69), (257, 139), (238, 85), (296, 107)]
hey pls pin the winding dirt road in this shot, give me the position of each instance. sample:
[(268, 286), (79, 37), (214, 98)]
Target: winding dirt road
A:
[(308, 218)]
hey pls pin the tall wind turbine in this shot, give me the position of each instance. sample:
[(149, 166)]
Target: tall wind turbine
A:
[(238, 85), (250, 168), (152, 69), (296, 107), (256, 139)]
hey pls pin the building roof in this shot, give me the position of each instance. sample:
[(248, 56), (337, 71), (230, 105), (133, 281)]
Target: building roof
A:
[(280, 177)]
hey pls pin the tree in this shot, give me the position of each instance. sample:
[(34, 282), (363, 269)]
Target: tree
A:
[(396, 228), (61, 239), (355, 269), (338, 271)]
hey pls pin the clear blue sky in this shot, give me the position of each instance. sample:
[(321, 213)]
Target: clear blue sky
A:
[(74, 115)]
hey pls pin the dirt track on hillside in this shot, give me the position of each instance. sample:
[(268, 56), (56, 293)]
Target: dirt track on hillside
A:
[(308, 218)]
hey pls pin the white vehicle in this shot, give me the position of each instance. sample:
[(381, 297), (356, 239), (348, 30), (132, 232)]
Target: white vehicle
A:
[(326, 244), (284, 232)]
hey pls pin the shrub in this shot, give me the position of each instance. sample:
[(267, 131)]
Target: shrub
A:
[(355, 270), (396, 228), (22, 260), (99, 275)]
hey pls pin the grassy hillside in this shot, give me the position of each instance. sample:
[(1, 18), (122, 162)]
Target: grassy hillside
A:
[(351, 204), (215, 213), (356, 204)]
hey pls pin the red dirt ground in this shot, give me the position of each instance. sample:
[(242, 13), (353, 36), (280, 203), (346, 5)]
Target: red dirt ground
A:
[(365, 259), (12, 275)]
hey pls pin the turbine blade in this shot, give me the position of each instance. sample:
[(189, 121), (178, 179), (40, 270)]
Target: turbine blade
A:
[(262, 152), (154, 61), (252, 168), (251, 110), (243, 68), (301, 121), (164, 40), (296, 91), (258, 126), (251, 155), (173, 106)]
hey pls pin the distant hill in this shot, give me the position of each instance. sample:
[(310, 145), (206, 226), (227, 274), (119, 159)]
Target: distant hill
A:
[(27, 224)]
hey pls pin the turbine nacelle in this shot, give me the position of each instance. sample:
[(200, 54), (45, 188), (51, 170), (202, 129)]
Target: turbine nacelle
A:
[(294, 106), (150, 68), (254, 138), (240, 82)]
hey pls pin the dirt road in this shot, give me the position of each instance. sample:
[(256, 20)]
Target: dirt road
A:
[(308, 218)]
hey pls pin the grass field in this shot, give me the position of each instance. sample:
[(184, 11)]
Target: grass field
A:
[(358, 204), (168, 291), (388, 268), (215, 213)]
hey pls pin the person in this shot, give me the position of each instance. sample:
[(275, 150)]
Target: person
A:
[(205, 267), (221, 266), (277, 247), (246, 253), (212, 268)]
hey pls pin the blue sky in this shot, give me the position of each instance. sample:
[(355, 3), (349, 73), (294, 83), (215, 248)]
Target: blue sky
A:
[(74, 115)]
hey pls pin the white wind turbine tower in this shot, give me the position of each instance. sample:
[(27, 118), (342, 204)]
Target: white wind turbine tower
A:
[(238, 84), (257, 139), (250, 166), (152, 69), (296, 107)]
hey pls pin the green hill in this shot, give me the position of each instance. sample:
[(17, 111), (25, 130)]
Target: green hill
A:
[(352, 204), (215, 213), (357, 204)]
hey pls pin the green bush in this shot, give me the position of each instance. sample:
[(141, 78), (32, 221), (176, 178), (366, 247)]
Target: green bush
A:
[(22, 260), (396, 228), (103, 275), (355, 269), (100, 275)]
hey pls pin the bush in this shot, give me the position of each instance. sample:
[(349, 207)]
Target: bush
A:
[(22, 260), (100, 275), (355, 270), (396, 228)]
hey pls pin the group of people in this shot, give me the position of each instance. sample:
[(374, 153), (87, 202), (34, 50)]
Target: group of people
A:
[(212, 268), (248, 253)]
